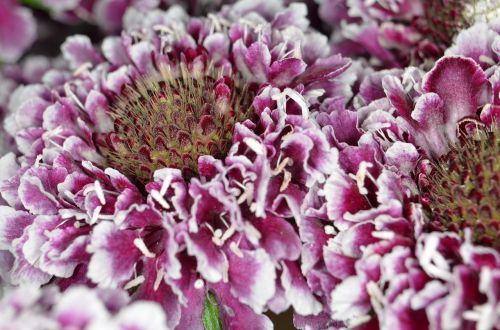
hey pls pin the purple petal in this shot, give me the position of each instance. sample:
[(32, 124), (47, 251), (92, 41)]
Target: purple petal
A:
[(17, 30), (38, 187), (253, 62), (12, 225), (236, 315), (342, 196), (283, 72), (324, 69), (212, 264), (158, 291), (279, 238), (114, 255), (459, 82), (78, 50), (298, 292), (252, 276)]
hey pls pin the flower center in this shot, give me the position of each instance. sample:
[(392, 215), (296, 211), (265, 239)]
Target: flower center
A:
[(445, 18), (170, 119), (463, 188)]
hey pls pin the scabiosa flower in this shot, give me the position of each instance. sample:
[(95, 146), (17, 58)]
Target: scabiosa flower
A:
[(401, 33), (174, 163), (403, 233), (30, 307), (17, 30)]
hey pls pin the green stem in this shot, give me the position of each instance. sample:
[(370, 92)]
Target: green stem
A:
[(35, 4)]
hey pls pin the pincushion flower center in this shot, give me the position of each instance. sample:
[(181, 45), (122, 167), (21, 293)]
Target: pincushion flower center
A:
[(171, 118), (464, 187), (446, 18)]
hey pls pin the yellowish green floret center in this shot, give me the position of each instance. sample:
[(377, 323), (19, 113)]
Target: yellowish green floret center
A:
[(464, 188), (170, 119), (446, 18)]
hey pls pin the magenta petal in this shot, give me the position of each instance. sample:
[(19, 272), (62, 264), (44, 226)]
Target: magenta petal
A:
[(339, 265), (114, 255), (24, 272), (78, 308), (252, 276), (297, 291), (78, 50), (158, 291), (279, 238), (397, 96), (429, 115), (64, 249), (37, 189), (236, 315), (342, 197), (17, 30), (350, 300), (211, 261), (283, 72), (12, 225), (476, 42), (459, 82), (253, 62), (324, 69)]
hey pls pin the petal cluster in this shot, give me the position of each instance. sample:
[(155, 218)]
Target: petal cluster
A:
[(48, 308)]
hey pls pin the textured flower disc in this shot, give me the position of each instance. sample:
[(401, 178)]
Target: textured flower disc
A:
[(445, 18), (464, 188), (170, 119)]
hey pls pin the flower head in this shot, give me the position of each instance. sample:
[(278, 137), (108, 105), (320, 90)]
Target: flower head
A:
[(390, 235), (174, 162)]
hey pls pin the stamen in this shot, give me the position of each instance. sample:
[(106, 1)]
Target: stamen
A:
[(329, 230), (135, 282), (72, 96), (198, 284), (236, 249), (158, 279), (38, 160), (139, 244), (376, 295), (386, 235), (95, 214), (99, 192), (256, 146), (218, 233), (281, 165), (157, 196), (84, 67), (286, 181), (359, 320), (361, 176), (172, 117)]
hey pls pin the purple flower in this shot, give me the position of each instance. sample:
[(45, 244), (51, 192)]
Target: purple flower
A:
[(392, 238), (17, 30), (201, 202)]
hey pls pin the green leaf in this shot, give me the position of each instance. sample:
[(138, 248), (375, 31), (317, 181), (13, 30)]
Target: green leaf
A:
[(211, 314), (36, 4)]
